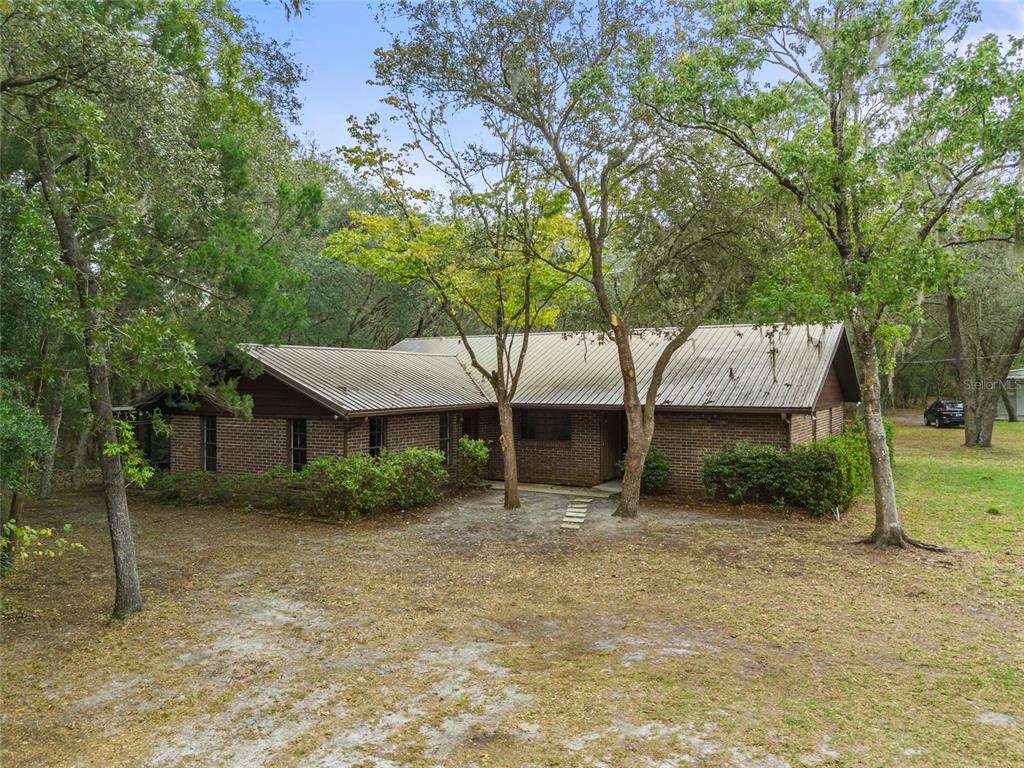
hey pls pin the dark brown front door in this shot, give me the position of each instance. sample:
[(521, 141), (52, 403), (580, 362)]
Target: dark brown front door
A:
[(612, 432), (471, 425)]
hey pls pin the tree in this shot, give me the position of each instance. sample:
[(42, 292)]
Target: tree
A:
[(498, 258), (125, 122), (878, 128), (985, 306), (568, 82), (23, 442)]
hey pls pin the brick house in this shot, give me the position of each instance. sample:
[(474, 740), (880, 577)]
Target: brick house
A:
[(781, 386)]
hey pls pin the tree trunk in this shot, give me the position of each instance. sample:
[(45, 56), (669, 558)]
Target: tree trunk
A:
[(81, 454), (888, 530), (1011, 408), (982, 383), (127, 595), (638, 443), (508, 454), (56, 415), (12, 512)]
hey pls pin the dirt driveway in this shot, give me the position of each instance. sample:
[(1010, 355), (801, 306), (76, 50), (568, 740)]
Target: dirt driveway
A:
[(470, 636)]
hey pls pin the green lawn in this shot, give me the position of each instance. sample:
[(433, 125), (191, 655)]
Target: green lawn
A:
[(962, 497)]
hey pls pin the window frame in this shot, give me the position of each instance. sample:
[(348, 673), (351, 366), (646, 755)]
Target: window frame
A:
[(295, 450), (444, 436), (548, 426), (378, 425), (209, 427)]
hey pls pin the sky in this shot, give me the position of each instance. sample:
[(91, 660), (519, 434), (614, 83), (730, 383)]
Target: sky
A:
[(334, 42)]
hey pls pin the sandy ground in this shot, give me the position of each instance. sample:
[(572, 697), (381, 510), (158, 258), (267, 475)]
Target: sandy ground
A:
[(466, 635)]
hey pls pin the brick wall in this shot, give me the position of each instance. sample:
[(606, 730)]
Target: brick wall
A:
[(186, 443), (562, 462), (801, 429), (827, 421), (685, 437), (255, 445), (260, 444)]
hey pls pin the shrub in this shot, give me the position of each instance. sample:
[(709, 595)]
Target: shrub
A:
[(823, 477), (360, 484), (471, 459), (656, 471), (421, 474), (332, 487)]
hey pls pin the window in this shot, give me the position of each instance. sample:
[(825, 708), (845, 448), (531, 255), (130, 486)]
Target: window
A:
[(546, 425), (376, 435), (209, 443), (298, 443), (444, 440)]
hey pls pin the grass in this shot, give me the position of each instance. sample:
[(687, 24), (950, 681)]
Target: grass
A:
[(963, 497), (719, 635)]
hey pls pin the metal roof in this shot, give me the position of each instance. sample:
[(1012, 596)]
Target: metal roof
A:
[(774, 368), (371, 380)]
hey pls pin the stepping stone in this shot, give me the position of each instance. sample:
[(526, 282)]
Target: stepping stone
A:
[(576, 513), (571, 526), (573, 519), (578, 509), (584, 500)]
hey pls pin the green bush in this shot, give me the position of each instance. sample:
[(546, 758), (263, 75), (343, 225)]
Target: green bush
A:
[(421, 473), (358, 485), (656, 471), (470, 461), (331, 487), (823, 477), (261, 491)]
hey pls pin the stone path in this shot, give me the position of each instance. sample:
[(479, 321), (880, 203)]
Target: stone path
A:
[(576, 514)]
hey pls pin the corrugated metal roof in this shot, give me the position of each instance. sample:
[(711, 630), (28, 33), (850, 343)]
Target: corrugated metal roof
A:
[(721, 366), (369, 380)]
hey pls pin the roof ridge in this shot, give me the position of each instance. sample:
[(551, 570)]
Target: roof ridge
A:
[(644, 328), (250, 344)]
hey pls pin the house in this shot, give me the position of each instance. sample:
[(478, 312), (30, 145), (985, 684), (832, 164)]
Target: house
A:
[(781, 386), (1013, 394)]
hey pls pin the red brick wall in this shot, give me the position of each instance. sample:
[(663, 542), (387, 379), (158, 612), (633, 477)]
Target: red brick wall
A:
[(186, 443), (260, 444), (801, 429), (684, 438), (561, 462), (255, 445)]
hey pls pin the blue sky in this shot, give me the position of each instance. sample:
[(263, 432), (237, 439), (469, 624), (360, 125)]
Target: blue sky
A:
[(334, 41)]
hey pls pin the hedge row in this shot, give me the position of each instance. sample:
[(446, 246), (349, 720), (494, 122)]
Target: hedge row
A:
[(333, 487), (823, 477)]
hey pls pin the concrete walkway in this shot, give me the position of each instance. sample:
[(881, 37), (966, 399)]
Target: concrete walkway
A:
[(603, 491)]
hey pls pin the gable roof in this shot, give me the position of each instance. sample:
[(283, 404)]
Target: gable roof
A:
[(721, 367), (770, 368), (350, 381)]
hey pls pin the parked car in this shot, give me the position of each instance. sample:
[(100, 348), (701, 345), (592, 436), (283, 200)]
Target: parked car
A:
[(943, 413)]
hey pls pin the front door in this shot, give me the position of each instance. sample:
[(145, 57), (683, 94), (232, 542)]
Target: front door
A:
[(612, 446), (471, 425)]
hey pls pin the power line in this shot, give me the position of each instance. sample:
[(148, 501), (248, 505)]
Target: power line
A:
[(953, 359)]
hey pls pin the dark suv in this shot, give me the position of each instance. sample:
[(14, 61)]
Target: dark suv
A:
[(943, 413)]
